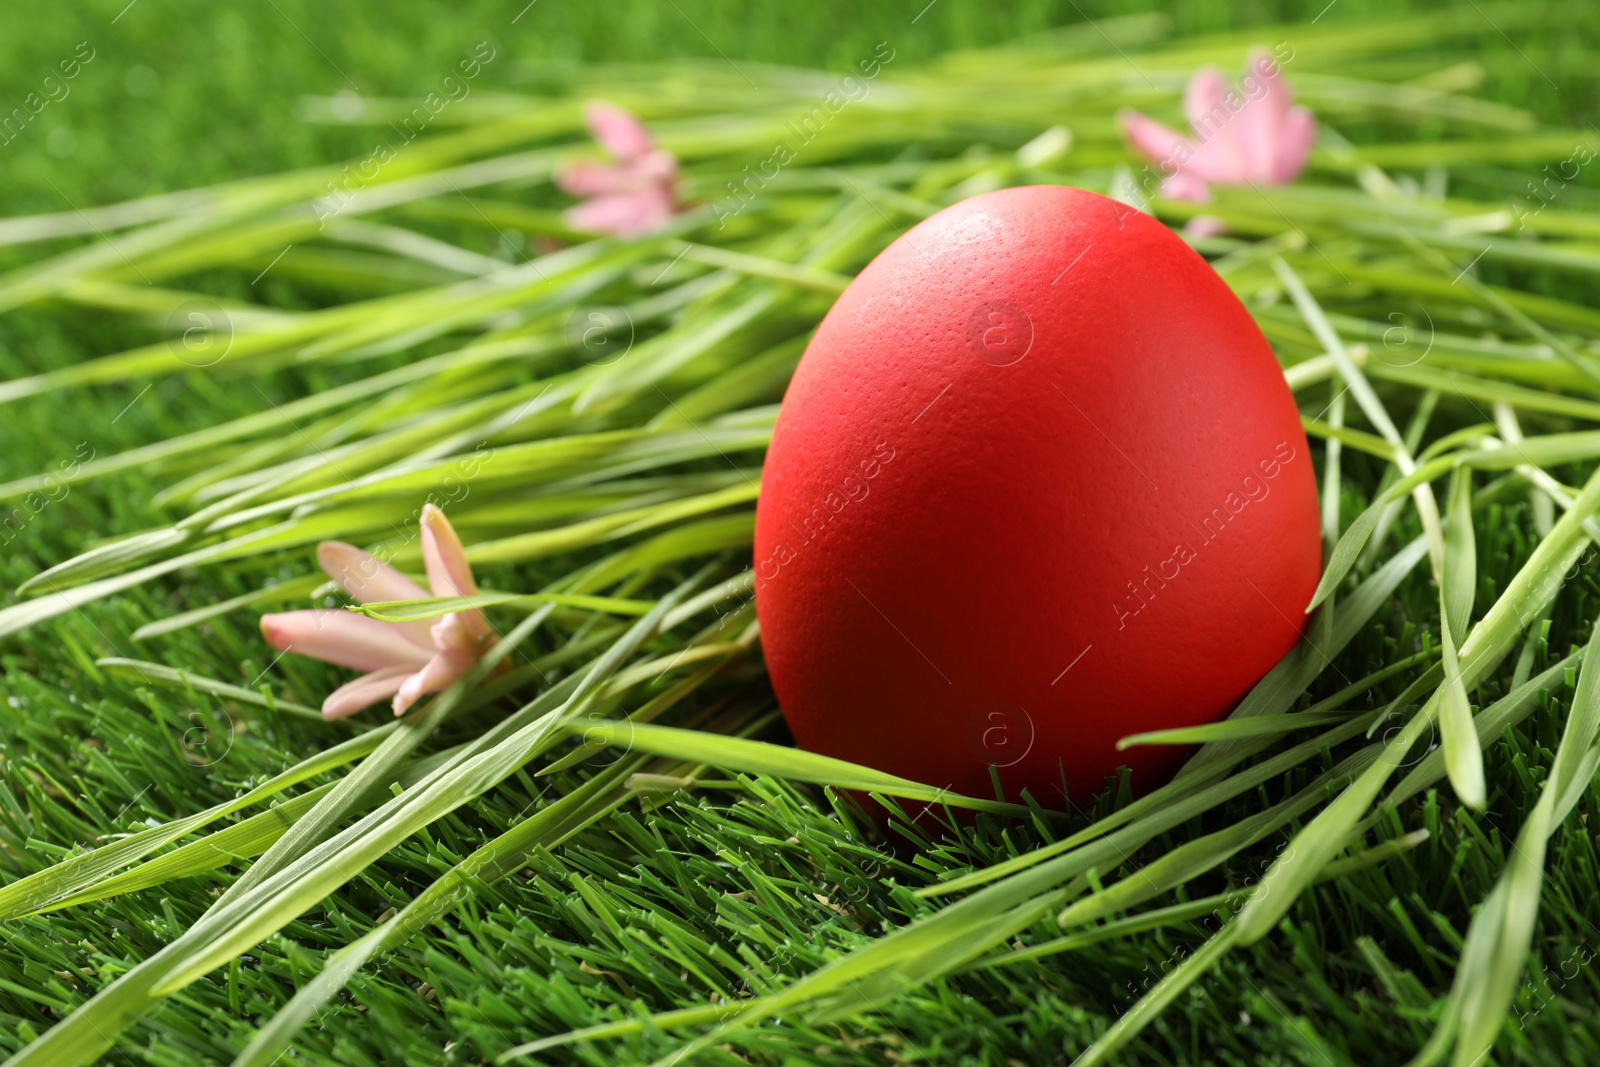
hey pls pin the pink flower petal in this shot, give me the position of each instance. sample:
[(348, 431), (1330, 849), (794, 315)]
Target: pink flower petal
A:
[(1224, 160), (1205, 226), (363, 576), (1185, 185), (1258, 128), (1274, 102), (1294, 145), (655, 173), (440, 671), (624, 214), (343, 638), (659, 166), (1158, 143), (364, 692), (369, 580), (1221, 132), (451, 632), (597, 179), (618, 132), (449, 573), (1205, 103)]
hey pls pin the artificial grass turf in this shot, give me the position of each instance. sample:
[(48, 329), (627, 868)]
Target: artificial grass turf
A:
[(727, 898)]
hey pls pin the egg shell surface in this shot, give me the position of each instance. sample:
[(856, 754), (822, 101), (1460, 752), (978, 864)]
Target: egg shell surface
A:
[(1037, 483)]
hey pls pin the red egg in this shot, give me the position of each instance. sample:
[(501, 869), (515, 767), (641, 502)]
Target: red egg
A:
[(1038, 484)]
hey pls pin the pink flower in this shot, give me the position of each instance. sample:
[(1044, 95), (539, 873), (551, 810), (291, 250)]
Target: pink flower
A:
[(1205, 226), (404, 660), (635, 195), (1240, 138)]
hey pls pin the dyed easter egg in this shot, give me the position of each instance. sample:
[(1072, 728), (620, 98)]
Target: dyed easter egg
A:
[(1037, 484)]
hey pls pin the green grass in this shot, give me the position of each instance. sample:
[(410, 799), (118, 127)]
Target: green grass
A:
[(672, 901)]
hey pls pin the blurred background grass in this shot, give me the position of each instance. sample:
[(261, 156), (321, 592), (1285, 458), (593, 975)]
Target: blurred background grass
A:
[(186, 92)]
